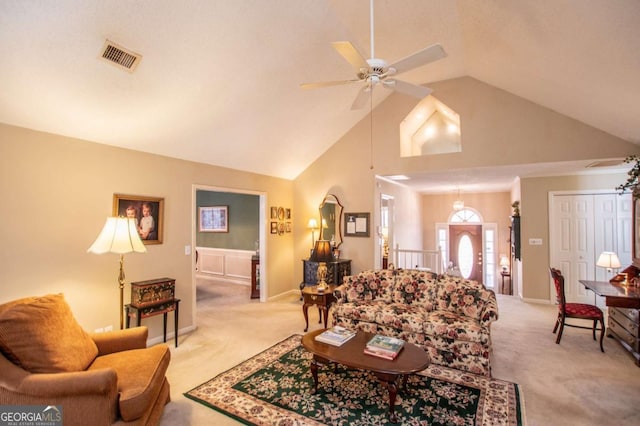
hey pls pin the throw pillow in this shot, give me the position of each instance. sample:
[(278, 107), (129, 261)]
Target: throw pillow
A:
[(41, 335)]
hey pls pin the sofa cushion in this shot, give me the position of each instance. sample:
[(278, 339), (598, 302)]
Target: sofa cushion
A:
[(141, 373), (401, 316), (415, 287), (455, 327), (361, 311), (40, 335), (369, 285), (467, 300)]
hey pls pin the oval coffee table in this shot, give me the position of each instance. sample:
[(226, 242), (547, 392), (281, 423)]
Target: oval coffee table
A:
[(351, 354)]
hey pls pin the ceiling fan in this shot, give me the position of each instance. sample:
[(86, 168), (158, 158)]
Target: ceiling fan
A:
[(376, 71)]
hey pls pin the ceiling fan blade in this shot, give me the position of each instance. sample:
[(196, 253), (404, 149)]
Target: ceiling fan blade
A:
[(327, 84), (419, 58), (414, 90), (351, 54), (361, 98)]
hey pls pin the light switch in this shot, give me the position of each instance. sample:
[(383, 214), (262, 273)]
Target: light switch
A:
[(187, 250), (535, 241)]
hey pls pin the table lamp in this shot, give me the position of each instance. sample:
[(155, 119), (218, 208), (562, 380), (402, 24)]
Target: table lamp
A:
[(609, 260), (322, 253), (119, 235), (504, 263)]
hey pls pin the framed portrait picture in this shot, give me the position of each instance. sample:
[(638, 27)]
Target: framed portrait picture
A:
[(274, 212), (280, 213), (288, 227), (274, 227), (147, 211), (287, 213), (356, 224), (213, 219)]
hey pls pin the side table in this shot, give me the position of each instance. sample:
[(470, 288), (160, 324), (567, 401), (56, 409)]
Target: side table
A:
[(504, 290), (152, 310), (323, 300)]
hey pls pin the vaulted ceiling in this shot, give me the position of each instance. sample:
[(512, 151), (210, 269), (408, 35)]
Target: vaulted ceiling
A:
[(219, 80)]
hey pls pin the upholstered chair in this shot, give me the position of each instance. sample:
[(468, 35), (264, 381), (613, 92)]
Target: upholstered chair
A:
[(47, 359)]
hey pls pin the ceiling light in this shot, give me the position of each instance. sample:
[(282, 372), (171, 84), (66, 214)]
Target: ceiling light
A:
[(398, 177)]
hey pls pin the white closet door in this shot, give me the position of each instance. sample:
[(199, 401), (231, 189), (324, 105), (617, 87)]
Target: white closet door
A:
[(572, 223)]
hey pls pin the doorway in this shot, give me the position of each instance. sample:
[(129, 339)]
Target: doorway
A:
[(252, 246)]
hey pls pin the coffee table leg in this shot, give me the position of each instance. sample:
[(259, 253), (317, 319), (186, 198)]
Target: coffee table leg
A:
[(314, 373), (390, 381)]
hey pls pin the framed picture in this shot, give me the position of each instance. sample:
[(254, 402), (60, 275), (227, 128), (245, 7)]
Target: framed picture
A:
[(274, 227), (280, 213), (356, 224), (288, 227), (213, 219), (147, 211), (274, 212), (287, 214), (280, 228)]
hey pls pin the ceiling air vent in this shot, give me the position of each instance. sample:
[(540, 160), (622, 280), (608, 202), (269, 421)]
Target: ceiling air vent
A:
[(119, 56)]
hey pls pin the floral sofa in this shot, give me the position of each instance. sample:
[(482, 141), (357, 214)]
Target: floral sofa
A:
[(449, 317)]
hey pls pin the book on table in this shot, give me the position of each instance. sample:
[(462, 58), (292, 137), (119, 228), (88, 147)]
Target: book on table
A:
[(335, 335), (384, 346)]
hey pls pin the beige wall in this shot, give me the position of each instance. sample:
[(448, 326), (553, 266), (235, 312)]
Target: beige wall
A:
[(56, 194)]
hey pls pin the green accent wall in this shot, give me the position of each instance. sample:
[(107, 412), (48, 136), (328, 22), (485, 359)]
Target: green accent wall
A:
[(244, 217)]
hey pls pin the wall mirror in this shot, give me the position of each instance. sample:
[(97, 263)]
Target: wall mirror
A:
[(330, 216)]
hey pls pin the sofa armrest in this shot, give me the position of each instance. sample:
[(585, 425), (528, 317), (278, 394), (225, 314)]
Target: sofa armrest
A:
[(340, 293), (121, 340), (490, 312)]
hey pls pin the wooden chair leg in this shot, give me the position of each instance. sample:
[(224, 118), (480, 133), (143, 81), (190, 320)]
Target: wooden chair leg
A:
[(557, 324), (595, 324), (561, 320), (601, 333)]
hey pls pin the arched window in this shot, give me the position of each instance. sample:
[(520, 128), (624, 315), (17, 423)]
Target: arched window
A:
[(466, 215)]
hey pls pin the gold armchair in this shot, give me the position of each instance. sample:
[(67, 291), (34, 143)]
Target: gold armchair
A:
[(98, 379)]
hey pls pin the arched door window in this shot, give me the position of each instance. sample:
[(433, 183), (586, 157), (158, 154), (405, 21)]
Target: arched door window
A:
[(466, 215)]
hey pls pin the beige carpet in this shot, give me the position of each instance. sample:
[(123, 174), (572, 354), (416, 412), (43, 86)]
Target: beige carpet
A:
[(568, 384)]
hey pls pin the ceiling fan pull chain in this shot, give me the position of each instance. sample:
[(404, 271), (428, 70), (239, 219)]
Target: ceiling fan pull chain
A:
[(371, 125)]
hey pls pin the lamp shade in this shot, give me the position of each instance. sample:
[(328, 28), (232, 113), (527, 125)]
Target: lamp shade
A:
[(313, 224), (608, 259), (322, 252), (504, 261), (119, 235)]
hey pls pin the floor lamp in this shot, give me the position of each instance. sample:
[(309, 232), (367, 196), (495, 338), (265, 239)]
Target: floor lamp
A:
[(119, 235)]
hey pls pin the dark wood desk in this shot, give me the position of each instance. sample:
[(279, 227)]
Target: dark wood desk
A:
[(614, 294), (624, 313)]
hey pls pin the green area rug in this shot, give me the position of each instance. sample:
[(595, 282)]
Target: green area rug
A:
[(274, 388)]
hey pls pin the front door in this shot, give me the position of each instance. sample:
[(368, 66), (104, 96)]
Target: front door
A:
[(465, 250)]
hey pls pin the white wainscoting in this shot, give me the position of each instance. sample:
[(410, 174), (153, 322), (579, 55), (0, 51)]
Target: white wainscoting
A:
[(224, 264)]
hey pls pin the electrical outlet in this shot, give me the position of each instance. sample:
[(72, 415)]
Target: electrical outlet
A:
[(187, 250)]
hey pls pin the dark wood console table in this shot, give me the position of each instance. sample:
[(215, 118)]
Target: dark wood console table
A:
[(152, 310), (624, 313), (336, 271)]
